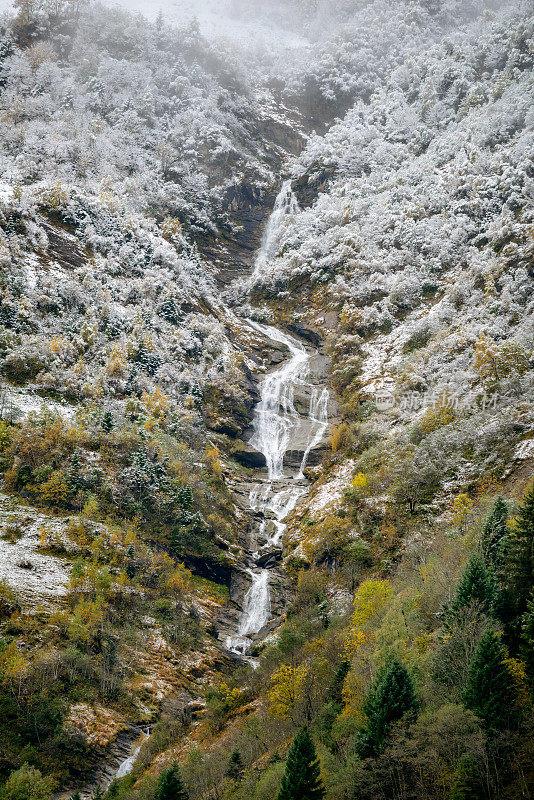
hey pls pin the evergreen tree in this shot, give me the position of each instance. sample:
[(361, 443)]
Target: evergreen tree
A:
[(74, 477), (494, 533), (333, 705), (336, 690), (76, 796), (392, 696), (518, 573), (170, 786), (489, 692), (169, 310), (302, 779), (235, 766), (107, 422), (198, 396), (466, 783), (476, 584), (527, 639)]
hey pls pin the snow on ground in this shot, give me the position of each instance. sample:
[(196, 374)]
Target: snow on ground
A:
[(332, 492), (36, 577), (6, 190), (524, 450), (18, 404)]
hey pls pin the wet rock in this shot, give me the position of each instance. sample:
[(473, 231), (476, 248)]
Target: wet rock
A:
[(250, 457), (269, 558), (308, 188), (307, 334)]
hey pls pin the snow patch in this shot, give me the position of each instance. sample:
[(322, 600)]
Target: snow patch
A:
[(36, 577)]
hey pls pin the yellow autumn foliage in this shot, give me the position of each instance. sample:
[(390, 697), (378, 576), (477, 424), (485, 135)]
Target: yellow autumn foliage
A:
[(287, 689), (370, 604)]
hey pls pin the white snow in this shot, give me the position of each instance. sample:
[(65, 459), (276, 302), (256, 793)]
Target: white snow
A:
[(36, 577)]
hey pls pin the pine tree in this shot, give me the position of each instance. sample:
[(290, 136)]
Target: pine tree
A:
[(489, 692), (76, 796), (302, 779), (494, 533), (107, 422), (74, 477), (392, 696), (336, 690), (170, 786), (527, 639), (235, 766), (476, 584), (333, 706), (466, 782), (519, 572)]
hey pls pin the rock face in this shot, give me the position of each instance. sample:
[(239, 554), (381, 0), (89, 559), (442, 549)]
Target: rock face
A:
[(293, 414), (250, 457), (233, 250)]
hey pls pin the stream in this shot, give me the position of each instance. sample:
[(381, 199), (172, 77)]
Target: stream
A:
[(281, 423), (278, 426)]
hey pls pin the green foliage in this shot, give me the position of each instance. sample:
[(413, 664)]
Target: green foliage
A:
[(107, 422), (302, 779), (467, 784), (494, 533), (334, 703), (170, 786), (27, 783), (490, 692), (518, 568), (527, 640), (391, 697), (476, 586), (235, 766)]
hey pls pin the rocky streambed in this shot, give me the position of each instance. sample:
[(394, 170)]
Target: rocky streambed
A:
[(288, 433)]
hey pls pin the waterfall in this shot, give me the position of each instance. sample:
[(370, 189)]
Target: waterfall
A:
[(276, 418), (256, 612), (286, 204), (276, 426), (319, 418)]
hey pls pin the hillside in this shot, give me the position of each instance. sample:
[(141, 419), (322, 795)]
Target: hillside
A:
[(266, 400)]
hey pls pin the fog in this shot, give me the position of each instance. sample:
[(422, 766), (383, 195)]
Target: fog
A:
[(244, 23)]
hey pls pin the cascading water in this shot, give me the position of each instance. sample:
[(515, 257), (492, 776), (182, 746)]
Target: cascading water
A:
[(278, 426), (319, 416), (276, 417), (286, 204)]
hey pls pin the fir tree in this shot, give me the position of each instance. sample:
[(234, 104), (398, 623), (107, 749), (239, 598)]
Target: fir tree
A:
[(107, 422), (198, 396), (494, 533), (489, 692), (169, 310), (76, 796), (170, 786), (235, 766), (302, 779), (392, 696), (74, 477), (336, 690), (476, 584), (333, 705), (527, 639), (519, 566), (466, 782)]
